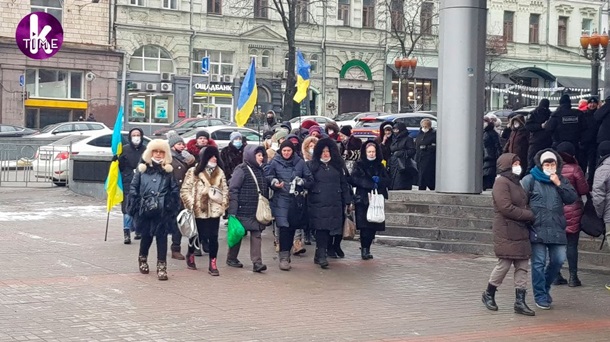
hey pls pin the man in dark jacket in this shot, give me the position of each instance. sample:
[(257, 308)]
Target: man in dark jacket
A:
[(588, 145), (566, 124), (491, 151), (548, 191), (602, 116), (128, 162), (539, 137), (425, 143), (233, 154)]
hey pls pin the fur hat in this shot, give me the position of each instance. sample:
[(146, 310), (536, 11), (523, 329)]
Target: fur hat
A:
[(235, 135), (347, 130), (157, 144), (173, 138), (202, 133), (207, 153)]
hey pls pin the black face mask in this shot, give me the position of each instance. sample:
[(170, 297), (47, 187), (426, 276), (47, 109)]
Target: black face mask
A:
[(269, 120)]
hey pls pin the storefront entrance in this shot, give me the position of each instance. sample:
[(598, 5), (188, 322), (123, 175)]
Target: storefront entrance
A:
[(352, 100)]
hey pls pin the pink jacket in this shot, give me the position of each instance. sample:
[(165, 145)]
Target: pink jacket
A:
[(573, 212)]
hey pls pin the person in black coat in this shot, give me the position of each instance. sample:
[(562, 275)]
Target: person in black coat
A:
[(402, 152), (566, 124), (233, 154), (128, 162), (385, 140), (368, 174), (540, 139), (154, 201), (349, 147), (329, 197), (491, 151), (602, 116), (425, 144), (588, 142)]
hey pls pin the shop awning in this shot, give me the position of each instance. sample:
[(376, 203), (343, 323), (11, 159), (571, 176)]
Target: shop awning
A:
[(499, 78), (421, 72), (574, 82)]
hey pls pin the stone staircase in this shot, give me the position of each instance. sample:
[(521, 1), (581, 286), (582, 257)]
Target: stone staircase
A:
[(458, 224)]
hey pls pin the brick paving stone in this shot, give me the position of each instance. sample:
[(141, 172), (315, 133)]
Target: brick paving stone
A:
[(59, 281)]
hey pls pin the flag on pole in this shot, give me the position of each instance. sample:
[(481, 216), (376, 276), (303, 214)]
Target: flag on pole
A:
[(302, 78), (247, 96), (114, 183)]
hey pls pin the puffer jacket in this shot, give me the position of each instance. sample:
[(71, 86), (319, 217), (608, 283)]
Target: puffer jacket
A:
[(511, 213), (281, 170), (195, 189), (491, 150), (546, 201), (573, 212), (601, 190)]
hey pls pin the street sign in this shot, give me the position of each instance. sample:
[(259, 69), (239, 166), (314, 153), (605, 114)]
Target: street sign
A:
[(205, 65), (21, 80)]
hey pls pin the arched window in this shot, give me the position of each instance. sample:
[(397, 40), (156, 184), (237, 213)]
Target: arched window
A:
[(266, 59), (151, 58), (253, 53), (313, 60)]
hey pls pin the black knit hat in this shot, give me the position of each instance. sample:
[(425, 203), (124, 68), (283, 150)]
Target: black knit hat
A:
[(604, 148), (593, 99), (567, 148), (565, 99), (202, 133), (347, 130)]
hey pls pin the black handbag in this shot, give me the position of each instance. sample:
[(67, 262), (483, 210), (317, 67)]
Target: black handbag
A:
[(297, 212), (591, 224), (407, 164), (150, 207)]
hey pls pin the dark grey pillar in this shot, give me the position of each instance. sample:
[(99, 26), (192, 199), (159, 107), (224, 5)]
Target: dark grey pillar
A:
[(461, 94)]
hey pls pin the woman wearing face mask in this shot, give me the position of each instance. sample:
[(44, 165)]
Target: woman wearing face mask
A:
[(332, 129), (403, 151), (425, 143), (548, 192), (491, 151), (385, 140), (288, 176), (510, 233), (329, 198), (368, 174), (306, 234), (276, 140), (198, 183), (153, 202), (518, 140), (233, 154), (128, 162)]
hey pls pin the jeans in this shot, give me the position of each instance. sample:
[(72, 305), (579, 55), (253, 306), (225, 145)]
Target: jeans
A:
[(543, 275), (128, 222)]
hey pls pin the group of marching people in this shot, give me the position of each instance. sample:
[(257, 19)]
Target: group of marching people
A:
[(308, 174)]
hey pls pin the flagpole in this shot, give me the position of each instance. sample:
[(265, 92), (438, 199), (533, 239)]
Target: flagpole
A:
[(107, 220)]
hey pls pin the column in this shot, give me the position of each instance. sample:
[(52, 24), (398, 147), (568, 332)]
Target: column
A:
[(461, 93)]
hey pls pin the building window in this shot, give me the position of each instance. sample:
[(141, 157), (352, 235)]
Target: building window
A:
[(368, 13), (53, 7), (343, 12), (170, 4), (302, 11), (397, 15), (587, 26), (509, 18), (215, 6), (425, 18), (253, 54), (221, 62), (151, 58), (562, 31), (136, 2), (54, 83), (266, 59), (260, 9), (286, 62), (534, 28), (150, 108), (313, 60)]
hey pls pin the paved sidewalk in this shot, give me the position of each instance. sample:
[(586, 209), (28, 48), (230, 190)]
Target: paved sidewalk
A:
[(59, 281)]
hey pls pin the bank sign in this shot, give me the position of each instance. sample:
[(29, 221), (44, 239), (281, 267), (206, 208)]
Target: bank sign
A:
[(214, 87), (39, 35)]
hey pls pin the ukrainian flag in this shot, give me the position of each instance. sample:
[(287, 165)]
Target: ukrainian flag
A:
[(114, 183), (247, 96), (302, 78)]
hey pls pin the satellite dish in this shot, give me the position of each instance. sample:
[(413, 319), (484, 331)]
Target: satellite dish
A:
[(90, 76)]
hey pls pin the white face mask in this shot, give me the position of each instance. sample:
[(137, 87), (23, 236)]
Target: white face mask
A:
[(517, 125), (211, 165), (549, 172), (158, 161), (275, 146), (517, 170), (310, 151), (136, 140), (425, 130), (323, 160), (371, 158), (330, 131)]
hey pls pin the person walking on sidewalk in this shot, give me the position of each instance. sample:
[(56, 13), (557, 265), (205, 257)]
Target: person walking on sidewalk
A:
[(205, 191), (548, 191), (154, 201), (128, 162), (248, 178), (369, 174), (601, 187), (510, 233)]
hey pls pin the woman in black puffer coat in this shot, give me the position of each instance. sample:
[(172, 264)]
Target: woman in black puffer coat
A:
[(491, 152), (154, 200), (328, 198), (368, 174), (403, 150)]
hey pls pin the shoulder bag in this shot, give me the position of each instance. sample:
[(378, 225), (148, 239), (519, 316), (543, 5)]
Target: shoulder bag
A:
[(263, 210), (214, 193)]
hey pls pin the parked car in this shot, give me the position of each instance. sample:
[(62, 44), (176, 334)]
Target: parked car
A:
[(52, 161), (353, 117), (12, 131), (368, 127), (188, 124), (66, 128), (221, 134), (322, 120)]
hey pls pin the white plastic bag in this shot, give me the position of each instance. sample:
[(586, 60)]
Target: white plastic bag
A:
[(376, 210)]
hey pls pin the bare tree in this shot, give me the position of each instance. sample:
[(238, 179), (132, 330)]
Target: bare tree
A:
[(409, 22), (495, 51)]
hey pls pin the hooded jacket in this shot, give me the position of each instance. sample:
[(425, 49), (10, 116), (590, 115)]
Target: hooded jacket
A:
[(402, 147), (385, 148), (193, 149), (573, 173), (511, 213), (491, 150), (601, 183), (546, 201), (130, 158), (518, 140), (305, 148)]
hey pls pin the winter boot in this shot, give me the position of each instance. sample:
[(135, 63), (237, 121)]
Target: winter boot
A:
[(308, 238), (162, 270), (190, 261), (560, 280), (297, 247), (320, 258), (574, 281), (234, 263), (259, 267), (142, 265), (489, 298), (520, 306), (137, 236), (176, 253), (127, 236), (365, 253), (212, 269), (285, 261)]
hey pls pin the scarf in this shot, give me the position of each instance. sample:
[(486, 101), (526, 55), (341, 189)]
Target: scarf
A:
[(209, 170), (539, 175)]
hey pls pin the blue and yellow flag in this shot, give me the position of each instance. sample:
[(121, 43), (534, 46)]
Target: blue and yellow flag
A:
[(302, 78), (114, 183), (247, 96)]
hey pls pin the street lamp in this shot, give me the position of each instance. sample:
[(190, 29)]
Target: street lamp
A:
[(405, 68), (597, 53)]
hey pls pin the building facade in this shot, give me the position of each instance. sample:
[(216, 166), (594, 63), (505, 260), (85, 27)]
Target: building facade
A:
[(79, 80)]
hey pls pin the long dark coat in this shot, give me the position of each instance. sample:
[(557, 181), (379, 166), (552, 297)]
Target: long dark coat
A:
[(425, 143), (231, 157), (402, 145), (512, 214), (362, 179), (518, 143), (491, 150), (128, 162)]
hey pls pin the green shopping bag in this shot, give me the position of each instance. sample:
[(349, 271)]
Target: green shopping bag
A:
[(235, 231)]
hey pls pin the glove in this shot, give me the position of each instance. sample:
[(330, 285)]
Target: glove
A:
[(115, 157), (299, 181), (375, 179)]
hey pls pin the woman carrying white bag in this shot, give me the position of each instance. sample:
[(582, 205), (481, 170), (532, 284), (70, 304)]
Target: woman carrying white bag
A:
[(371, 181)]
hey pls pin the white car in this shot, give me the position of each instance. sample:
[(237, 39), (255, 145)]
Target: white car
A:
[(352, 118), (221, 134), (67, 128), (321, 120), (52, 161)]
